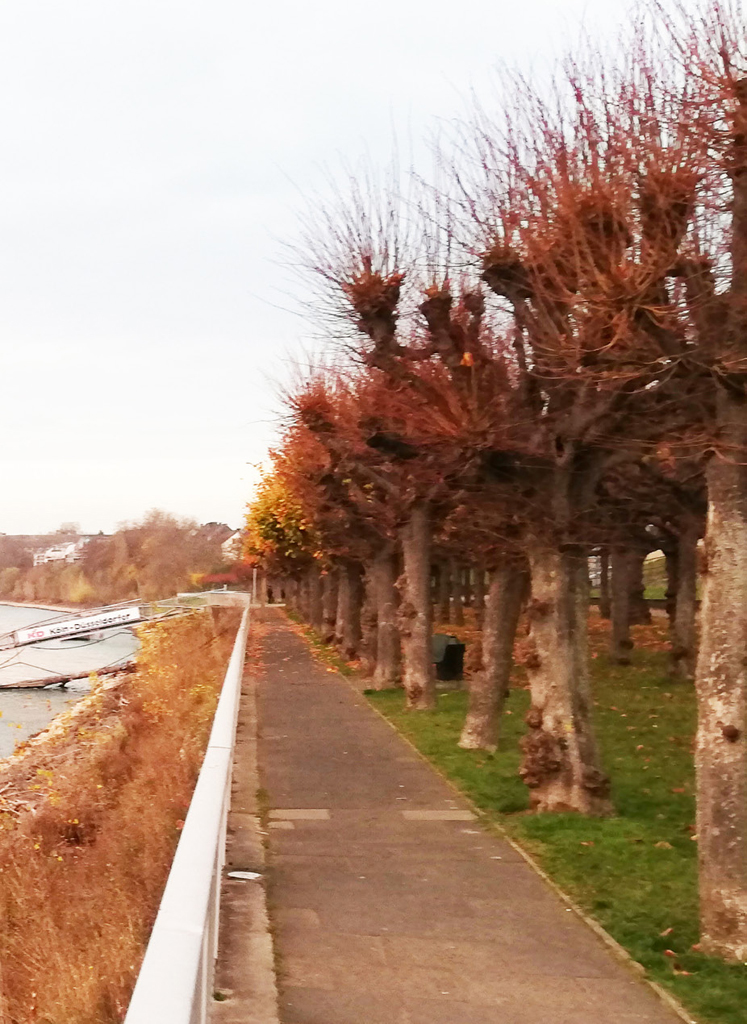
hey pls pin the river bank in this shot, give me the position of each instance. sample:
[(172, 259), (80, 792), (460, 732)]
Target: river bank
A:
[(23, 712), (47, 607), (92, 811)]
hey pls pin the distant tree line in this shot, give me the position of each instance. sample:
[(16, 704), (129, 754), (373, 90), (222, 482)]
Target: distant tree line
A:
[(154, 557)]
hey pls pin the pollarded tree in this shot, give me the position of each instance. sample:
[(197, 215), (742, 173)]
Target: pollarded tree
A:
[(377, 479), (579, 221), (706, 50)]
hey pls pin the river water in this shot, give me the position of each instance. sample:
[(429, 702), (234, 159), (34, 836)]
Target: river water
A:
[(23, 712)]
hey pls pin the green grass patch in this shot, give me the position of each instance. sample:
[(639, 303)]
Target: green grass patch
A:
[(636, 873)]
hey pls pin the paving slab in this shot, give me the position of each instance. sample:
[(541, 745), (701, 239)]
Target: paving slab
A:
[(389, 903)]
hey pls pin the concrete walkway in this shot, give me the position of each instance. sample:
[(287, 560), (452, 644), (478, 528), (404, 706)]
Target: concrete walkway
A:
[(389, 903)]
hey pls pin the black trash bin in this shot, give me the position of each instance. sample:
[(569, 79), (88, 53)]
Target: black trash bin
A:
[(448, 656)]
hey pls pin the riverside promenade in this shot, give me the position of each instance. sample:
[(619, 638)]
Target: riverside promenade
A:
[(388, 902)]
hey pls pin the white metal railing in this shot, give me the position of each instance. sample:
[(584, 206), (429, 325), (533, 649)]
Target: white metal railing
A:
[(175, 981)]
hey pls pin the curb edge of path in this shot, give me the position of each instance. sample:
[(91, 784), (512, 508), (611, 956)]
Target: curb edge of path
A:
[(612, 944), (245, 967)]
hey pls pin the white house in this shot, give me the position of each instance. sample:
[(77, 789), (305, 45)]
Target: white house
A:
[(71, 551), (231, 547)]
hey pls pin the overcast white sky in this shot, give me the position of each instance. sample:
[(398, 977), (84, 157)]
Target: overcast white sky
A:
[(154, 155)]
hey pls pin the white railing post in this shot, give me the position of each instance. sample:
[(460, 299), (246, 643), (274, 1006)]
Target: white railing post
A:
[(175, 980)]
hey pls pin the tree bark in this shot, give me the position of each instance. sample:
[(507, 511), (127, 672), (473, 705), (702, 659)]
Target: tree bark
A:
[(684, 636), (314, 584), (369, 638), (349, 602), (443, 612), (457, 599), (342, 604), (388, 652), (605, 601), (303, 606), (329, 605), (638, 609), (621, 644), (415, 613), (671, 562), (467, 588), (479, 594), (561, 763), (721, 684), (488, 687)]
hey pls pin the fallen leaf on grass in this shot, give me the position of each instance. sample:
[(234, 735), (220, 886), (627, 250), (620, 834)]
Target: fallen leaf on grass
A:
[(669, 952), (590, 843), (678, 789), (663, 845), (667, 931)]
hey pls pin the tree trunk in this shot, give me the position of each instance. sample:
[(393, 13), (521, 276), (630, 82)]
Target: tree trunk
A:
[(415, 613), (605, 601), (638, 609), (467, 589), (303, 605), (314, 584), (388, 652), (621, 644), (329, 605), (443, 612), (684, 636), (561, 763), (488, 687), (721, 684), (369, 640), (342, 604), (349, 602), (479, 594), (457, 601), (671, 562)]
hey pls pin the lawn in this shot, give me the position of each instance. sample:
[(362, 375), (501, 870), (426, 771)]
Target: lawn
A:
[(636, 873)]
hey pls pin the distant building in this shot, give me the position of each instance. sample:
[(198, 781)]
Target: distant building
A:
[(70, 551), (232, 546)]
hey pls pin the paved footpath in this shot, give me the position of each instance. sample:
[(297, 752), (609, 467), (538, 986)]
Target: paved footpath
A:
[(389, 903)]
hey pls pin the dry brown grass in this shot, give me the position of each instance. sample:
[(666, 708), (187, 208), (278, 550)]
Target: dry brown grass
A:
[(89, 819)]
